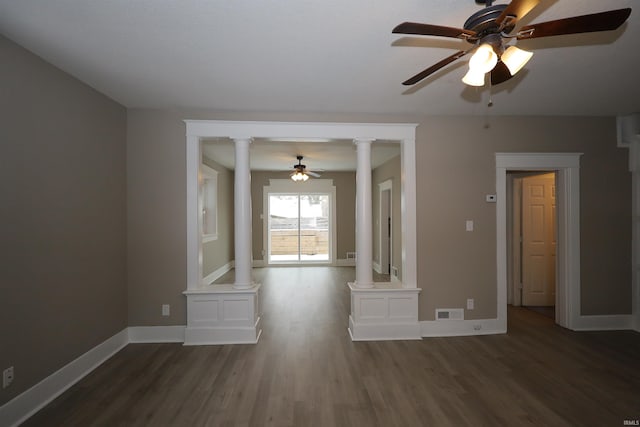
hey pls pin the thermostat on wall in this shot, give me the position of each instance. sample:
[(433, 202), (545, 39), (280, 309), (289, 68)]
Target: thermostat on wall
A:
[(491, 198)]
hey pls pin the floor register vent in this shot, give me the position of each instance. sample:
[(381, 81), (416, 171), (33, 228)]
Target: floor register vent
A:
[(449, 314)]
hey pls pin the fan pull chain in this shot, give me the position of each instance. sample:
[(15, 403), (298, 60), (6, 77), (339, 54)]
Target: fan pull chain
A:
[(490, 103), (487, 125)]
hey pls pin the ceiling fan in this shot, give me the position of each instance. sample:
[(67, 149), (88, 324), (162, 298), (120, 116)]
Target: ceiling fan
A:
[(489, 30), (300, 172)]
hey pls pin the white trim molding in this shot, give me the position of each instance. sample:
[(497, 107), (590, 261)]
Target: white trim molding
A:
[(460, 328), (634, 168), (219, 272), (567, 168), (23, 406), (156, 334), (604, 323), (197, 130), (628, 129)]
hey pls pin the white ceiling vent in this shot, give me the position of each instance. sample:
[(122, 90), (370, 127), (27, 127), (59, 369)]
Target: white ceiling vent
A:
[(449, 314)]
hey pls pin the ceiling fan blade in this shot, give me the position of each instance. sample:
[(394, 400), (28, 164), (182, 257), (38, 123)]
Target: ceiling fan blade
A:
[(603, 21), (500, 74), (313, 174), (424, 74), (516, 10), (432, 30)]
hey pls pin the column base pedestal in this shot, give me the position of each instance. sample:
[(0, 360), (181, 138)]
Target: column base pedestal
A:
[(222, 314), (387, 311)]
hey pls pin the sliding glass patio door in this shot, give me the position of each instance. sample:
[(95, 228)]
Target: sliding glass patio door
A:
[(299, 228)]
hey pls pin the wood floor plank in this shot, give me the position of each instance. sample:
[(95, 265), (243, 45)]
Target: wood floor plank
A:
[(305, 371)]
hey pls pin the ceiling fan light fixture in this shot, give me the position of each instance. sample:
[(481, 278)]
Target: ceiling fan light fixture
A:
[(473, 78), (483, 59), (515, 58), (299, 176)]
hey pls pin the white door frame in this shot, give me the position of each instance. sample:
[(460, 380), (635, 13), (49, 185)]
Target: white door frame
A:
[(286, 186), (567, 167), (382, 187)]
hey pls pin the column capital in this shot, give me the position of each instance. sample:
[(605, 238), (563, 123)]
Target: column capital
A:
[(363, 140), (248, 139)]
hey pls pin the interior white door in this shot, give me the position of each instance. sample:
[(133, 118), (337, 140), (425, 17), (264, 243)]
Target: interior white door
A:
[(539, 240)]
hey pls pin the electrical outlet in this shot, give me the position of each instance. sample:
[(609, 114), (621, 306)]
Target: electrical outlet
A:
[(470, 304), (166, 309), (7, 377)]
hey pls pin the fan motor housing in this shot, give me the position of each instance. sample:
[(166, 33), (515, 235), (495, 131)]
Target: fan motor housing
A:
[(483, 22)]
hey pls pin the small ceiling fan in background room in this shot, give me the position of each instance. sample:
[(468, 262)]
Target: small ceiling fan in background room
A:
[(489, 30), (300, 172)]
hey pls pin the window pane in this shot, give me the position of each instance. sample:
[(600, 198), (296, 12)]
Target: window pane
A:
[(314, 227), (283, 227)]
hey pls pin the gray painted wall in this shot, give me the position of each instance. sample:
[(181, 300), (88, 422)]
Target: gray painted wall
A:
[(220, 252), (390, 170), (62, 181), (456, 169)]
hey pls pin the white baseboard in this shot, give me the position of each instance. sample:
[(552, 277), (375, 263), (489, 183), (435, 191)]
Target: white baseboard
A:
[(222, 335), (605, 323), (218, 273), (383, 331), (377, 268), (31, 401), (459, 328), (160, 334)]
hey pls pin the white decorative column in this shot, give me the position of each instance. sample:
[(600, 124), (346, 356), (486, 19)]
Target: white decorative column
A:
[(242, 215), (229, 313), (364, 226), (379, 311)]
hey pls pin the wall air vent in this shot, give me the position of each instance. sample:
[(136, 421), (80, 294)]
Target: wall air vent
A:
[(449, 314)]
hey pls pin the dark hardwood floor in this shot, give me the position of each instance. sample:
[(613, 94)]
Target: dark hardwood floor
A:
[(305, 371)]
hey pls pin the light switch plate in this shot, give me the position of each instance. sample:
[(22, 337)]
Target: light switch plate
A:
[(469, 225)]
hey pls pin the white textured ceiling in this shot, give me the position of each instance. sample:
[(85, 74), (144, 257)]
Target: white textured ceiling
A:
[(329, 56), (319, 56)]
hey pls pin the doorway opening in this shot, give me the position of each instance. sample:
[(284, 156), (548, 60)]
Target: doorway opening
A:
[(299, 228), (567, 170), (532, 241)]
